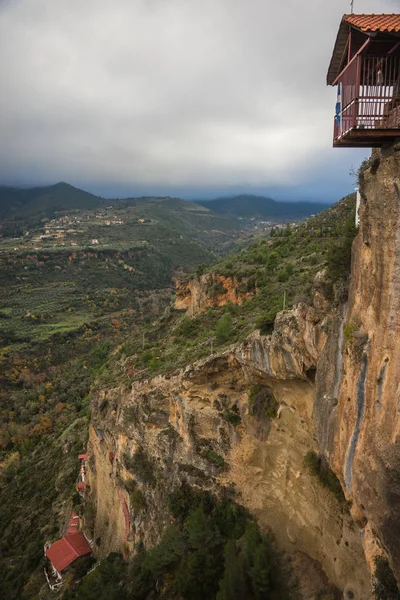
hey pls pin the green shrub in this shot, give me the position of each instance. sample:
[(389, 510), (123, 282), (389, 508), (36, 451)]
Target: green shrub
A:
[(215, 289), (283, 276), (361, 171), (130, 484), (215, 458), (182, 500), (262, 402), (265, 323), (83, 565), (339, 253), (201, 269), (103, 405), (224, 329), (187, 327), (231, 308), (99, 355), (138, 499), (349, 330), (103, 583), (232, 417), (319, 468), (143, 467)]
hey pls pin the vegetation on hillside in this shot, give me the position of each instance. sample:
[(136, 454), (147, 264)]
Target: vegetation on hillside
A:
[(212, 549), (83, 265), (319, 468), (281, 270), (45, 413), (65, 303)]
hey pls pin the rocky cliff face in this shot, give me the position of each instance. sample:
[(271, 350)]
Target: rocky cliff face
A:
[(358, 422), (333, 375), (181, 428), (196, 295)]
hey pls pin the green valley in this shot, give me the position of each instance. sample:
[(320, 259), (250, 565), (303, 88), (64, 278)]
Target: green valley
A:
[(87, 297)]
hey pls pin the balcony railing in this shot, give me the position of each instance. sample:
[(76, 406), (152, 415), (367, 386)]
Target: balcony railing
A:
[(370, 95)]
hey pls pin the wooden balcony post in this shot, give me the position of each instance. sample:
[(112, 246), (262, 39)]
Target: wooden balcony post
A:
[(357, 90)]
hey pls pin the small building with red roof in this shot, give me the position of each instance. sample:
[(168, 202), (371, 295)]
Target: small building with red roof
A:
[(64, 552), (80, 486), (68, 549), (73, 526)]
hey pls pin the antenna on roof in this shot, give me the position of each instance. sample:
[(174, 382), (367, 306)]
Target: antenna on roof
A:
[(351, 6)]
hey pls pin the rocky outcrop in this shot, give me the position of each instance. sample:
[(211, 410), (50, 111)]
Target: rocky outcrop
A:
[(196, 295), (359, 427), (181, 428)]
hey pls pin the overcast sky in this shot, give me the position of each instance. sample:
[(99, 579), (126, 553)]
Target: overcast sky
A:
[(188, 97)]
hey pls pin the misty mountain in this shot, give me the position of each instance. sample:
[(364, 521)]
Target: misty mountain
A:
[(246, 205), (32, 204)]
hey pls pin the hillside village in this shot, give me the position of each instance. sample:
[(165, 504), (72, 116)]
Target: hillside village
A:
[(94, 228), (73, 229)]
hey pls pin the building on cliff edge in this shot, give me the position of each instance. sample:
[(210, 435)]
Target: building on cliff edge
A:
[(365, 67), (62, 553)]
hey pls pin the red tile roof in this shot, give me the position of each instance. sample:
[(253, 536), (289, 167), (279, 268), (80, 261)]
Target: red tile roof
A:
[(83, 456), (63, 552), (74, 523), (79, 543), (389, 23), (364, 23), (81, 485)]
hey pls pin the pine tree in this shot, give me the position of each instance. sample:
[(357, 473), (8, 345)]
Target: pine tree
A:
[(252, 539), (224, 329), (201, 531), (232, 586), (261, 571)]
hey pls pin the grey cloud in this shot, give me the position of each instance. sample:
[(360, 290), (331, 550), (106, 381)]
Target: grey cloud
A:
[(177, 94)]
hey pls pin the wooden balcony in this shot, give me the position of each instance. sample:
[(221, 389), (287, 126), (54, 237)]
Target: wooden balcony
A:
[(368, 114)]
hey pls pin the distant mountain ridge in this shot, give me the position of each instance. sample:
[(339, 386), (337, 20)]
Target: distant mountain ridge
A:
[(38, 202), (247, 205), (47, 199)]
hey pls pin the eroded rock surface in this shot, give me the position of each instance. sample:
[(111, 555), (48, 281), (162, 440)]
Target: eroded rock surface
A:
[(211, 289), (182, 425), (362, 434)]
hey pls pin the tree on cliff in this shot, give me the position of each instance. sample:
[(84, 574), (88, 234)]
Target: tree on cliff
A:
[(233, 584), (261, 571), (339, 254), (224, 329)]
